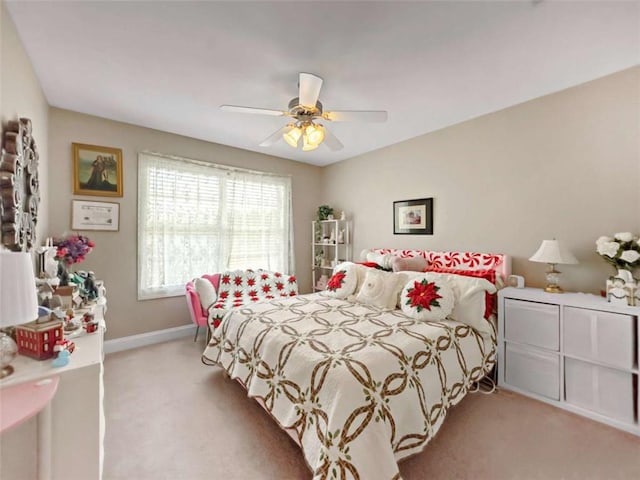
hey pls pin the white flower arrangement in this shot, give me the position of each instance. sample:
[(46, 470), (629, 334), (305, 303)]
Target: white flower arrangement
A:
[(622, 250)]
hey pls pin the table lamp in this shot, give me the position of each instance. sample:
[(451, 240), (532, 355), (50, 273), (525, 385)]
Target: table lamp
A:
[(553, 253), (18, 302)]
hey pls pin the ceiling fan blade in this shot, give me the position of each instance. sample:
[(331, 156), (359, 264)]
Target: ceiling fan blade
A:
[(332, 141), (259, 111), (273, 138), (309, 85), (372, 116)]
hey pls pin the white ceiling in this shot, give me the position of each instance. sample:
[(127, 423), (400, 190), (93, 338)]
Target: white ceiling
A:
[(169, 65)]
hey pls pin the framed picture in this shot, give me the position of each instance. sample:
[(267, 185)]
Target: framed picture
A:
[(103, 216), (413, 217), (97, 170)]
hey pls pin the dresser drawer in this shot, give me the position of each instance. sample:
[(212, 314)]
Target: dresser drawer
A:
[(533, 370), (600, 336), (600, 389), (532, 323)]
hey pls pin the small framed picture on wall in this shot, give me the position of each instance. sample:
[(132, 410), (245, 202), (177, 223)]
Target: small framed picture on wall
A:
[(103, 216), (413, 217)]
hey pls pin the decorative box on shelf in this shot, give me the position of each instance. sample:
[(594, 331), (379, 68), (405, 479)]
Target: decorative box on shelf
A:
[(37, 339)]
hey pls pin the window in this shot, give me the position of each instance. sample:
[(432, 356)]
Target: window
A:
[(196, 218)]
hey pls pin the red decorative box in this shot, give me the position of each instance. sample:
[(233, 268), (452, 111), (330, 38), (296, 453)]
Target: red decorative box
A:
[(38, 339)]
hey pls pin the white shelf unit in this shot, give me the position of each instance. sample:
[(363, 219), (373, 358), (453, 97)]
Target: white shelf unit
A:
[(326, 251), (573, 350)]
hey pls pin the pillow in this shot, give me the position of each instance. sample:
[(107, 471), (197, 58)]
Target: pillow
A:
[(469, 294), (343, 281), (368, 264), (409, 264), (490, 275), (381, 289), (363, 268), (206, 292), (427, 298), (214, 279), (382, 259)]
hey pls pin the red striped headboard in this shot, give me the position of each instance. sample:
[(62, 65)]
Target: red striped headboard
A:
[(461, 260)]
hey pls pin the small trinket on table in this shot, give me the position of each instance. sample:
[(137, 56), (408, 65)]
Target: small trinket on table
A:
[(37, 339), (90, 324), (91, 327), (61, 360), (62, 350)]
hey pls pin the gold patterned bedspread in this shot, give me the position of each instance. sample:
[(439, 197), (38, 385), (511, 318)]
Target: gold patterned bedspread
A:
[(361, 386)]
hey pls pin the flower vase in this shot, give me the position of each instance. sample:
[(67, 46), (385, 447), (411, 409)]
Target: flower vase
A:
[(621, 288), (625, 275), (63, 274)]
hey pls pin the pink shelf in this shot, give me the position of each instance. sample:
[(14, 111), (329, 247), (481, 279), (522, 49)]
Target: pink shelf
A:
[(20, 402)]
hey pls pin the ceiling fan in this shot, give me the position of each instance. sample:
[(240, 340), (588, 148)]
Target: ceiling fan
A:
[(306, 110)]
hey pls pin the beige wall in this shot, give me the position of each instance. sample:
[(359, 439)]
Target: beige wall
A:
[(114, 258), (22, 96), (565, 165)]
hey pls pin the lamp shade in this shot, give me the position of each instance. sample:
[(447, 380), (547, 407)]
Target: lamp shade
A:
[(292, 137), (307, 146), (18, 298), (551, 251), (314, 133)]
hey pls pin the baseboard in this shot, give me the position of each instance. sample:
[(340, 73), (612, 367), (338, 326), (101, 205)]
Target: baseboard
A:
[(149, 338)]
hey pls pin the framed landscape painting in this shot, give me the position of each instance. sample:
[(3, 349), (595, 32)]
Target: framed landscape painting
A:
[(413, 217), (97, 170)]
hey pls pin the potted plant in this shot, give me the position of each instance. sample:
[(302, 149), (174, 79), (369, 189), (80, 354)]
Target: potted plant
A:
[(324, 211)]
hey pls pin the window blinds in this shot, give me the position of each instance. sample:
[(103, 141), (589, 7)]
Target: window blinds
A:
[(196, 218)]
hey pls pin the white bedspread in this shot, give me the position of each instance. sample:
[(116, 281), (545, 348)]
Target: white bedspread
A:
[(362, 387)]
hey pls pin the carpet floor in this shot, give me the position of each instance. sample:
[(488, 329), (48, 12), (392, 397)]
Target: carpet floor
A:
[(168, 416)]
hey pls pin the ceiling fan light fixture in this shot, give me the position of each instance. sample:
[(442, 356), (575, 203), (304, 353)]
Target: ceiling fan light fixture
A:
[(292, 137), (303, 110), (314, 133), (307, 146)]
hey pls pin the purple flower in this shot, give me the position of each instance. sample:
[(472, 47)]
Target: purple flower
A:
[(73, 249)]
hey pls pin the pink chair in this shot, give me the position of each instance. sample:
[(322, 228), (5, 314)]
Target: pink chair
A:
[(198, 316)]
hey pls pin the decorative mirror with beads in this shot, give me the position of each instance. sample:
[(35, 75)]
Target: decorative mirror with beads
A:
[(19, 186)]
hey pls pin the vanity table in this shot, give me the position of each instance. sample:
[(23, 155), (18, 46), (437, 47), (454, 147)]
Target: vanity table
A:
[(75, 414)]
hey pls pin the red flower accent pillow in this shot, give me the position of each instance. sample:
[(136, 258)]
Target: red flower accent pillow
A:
[(490, 298), (343, 281), (427, 298)]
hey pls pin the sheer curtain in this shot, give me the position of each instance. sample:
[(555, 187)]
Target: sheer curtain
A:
[(196, 218)]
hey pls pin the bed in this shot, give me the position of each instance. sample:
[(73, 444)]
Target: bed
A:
[(357, 385)]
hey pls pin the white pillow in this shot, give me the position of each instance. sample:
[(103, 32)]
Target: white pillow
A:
[(427, 297), (470, 299), (206, 292), (382, 259), (381, 289), (362, 273), (343, 281), (413, 264)]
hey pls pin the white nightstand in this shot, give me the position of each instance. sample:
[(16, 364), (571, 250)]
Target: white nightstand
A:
[(573, 350)]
